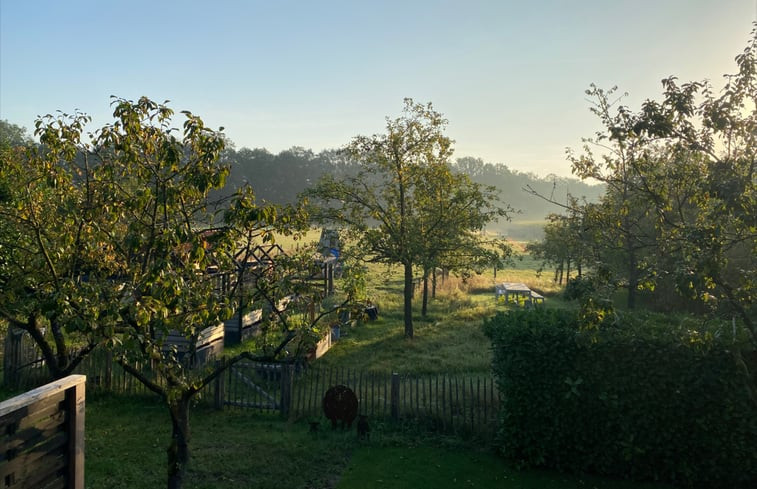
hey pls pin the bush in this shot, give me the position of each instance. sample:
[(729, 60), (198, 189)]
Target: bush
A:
[(643, 399), (578, 288)]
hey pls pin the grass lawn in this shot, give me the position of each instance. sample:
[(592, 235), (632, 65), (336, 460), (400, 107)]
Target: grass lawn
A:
[(449, 339), (426, 465), (126, 440)]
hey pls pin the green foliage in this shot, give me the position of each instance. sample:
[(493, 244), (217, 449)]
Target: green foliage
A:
[(118, 241), (403, 205), (681, 189), (12, 136), (564, 245), (644, 398), (578, 288)]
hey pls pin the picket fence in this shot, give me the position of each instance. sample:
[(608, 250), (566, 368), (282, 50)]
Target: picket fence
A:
[(450, 402), (455, 402)]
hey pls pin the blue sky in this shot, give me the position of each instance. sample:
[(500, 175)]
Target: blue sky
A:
[(509, 75)]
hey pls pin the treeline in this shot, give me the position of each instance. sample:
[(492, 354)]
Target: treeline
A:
[(280, 178)]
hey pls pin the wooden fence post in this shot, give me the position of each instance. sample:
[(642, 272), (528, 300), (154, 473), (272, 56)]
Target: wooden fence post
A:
[(75, 405), (219, 391), (108, 370), (287, 379), (395, 396)]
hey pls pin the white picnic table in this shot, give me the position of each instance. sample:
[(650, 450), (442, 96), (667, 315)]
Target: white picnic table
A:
[(516, 289)]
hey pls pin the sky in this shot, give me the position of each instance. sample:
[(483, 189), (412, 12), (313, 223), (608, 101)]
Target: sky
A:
[(509, 76)]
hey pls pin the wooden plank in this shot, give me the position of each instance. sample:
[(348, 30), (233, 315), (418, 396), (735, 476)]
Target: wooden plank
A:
[(361, 393), (317, 390), (50, 472), (417, 398), (395, 401), (463, 404), (75, 406), (486, 404), (34, 395), (386, 398), (26, 416), (444, 413), (437, 395), (26, 463), (478, 401), (28, 438)]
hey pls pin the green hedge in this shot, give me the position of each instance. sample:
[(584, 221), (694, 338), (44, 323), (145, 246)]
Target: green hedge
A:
[(638, 399)]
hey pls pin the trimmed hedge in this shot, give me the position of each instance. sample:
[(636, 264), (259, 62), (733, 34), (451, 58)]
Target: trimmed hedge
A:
[(638, 400)]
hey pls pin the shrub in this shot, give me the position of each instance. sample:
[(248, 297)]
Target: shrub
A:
[(578, 288), (643, 399)]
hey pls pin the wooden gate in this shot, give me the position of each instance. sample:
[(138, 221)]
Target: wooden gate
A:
[(254, 385)]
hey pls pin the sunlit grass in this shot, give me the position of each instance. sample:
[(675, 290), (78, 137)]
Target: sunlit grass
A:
[(448, 339)]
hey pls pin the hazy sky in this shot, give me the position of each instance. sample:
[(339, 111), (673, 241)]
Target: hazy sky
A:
[(509, 75)]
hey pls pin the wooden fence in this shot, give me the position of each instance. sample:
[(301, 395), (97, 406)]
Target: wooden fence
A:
[(42, 444), (102, 372), (447, 402), (23, 365)]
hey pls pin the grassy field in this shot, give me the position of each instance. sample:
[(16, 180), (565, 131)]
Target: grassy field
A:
[(449, 339)]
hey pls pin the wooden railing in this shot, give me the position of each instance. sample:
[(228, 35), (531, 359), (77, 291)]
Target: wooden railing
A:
[(43, 436)]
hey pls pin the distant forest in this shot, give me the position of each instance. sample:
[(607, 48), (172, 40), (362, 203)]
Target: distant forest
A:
[(279, 178)]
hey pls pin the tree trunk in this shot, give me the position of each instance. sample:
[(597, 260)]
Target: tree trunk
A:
[(408, 315), (424, 309), (178, 450), (433, 284)]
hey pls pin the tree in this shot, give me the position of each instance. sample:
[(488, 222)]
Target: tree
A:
[(124, 247), (12, 135), (624, 235), (695, 163), (170, 248), (452, 212), (694, 167), (383, 202), (565, 245), (53, 284)]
